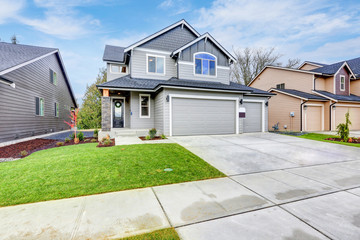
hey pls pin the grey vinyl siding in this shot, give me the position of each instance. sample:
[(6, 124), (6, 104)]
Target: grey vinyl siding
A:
[(139, 62), (136, 121), (266, 109), (186, 71), (171, 40), (159, 112), (17, 105), (168, 91), (204, 46), (111, 76)]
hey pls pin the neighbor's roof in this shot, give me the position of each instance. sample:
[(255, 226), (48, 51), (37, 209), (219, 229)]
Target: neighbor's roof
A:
[(127, 82), (114, 54), (312, 63), (300, 94), (330, 69), (351, 98), (12, 55)]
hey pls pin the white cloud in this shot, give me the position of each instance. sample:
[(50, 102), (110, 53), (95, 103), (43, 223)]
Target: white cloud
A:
[(9, 9), (128, 39), (289, 26), (175, 7)]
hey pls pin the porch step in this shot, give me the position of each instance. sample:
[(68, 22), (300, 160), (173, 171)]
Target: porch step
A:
[(127, 140), (130, 132)]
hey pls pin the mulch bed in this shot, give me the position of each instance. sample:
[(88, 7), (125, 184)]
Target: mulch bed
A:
[(31, 146), (155, 138), (110, 145), (353, 140)]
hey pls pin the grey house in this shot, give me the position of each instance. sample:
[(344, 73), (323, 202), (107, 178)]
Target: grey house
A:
[(178, 81), (35, 92)]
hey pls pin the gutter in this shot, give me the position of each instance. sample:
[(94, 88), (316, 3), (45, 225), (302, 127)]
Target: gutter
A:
[(331, 105), (301, 118), (7, 82)]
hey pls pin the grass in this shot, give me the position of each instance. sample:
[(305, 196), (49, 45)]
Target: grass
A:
[(163, 234), (85, 169), (322, 137)]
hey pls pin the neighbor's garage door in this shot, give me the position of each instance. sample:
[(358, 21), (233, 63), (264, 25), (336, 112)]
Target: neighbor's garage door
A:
[(354, 116), (313, 118), (202, 116), (253, 117)]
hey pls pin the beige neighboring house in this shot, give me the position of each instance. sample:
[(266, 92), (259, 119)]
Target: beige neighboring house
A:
[(314, 97)]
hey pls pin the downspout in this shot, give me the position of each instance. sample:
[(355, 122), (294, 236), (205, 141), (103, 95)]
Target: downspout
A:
[(301, 118), (331, 105)]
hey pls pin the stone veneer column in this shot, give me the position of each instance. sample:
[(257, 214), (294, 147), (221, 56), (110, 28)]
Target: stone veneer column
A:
[(105, 113)]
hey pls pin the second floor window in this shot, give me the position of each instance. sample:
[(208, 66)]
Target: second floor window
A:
[(342, 83), (53, 77), (280, 86), (156, 64), (205, 64), (114, 68)]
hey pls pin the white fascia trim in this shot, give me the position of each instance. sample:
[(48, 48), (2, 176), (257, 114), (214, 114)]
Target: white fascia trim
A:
[(316, 65), (28, 62), (236, 99), (283, 68), (161, 32), (113, 62), (322, 95), (206, 35), (151, 50), (289, 94), (345, 64), (262, 110), (145, 95), (127, 89)]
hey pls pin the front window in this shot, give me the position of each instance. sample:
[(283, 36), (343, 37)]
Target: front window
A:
[(342, 83), (205, 64), (156, 64), (144, 106)]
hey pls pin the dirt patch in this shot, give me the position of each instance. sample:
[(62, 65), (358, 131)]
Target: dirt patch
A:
[(155, 138), (31, 146), (351, 140)]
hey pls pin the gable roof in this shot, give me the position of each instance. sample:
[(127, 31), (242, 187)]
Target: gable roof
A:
[(114, 54), (299, 94), (316, 64), (206, 36), (181, 22), (352, 64), (334, 97)]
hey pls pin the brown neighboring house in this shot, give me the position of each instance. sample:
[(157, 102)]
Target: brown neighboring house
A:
[(314, 97)]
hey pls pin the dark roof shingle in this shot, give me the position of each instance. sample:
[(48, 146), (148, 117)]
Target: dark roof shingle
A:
[(301, 94), (114, 53), (351, 98), (12, 55), (330, 69)]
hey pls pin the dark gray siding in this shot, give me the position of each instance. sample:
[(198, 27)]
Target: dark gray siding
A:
[(171, 40), (204, 46), (17, 106)]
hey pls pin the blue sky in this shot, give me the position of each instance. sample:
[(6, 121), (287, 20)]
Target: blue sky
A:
[(317, 30)]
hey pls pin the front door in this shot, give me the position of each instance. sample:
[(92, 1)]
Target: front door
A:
[(118, 113)]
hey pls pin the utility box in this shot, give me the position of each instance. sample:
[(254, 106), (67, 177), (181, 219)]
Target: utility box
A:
[(292, 114), (242, 112)]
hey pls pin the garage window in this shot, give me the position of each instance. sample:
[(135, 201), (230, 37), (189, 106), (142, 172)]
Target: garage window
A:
[(144, 105)]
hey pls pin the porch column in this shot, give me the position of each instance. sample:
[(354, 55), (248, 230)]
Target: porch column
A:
[(105, 111)]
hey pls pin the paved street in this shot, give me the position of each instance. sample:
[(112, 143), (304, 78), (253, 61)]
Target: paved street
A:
[(279, 187)]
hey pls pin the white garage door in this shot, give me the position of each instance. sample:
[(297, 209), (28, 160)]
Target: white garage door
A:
[(253, 118), (203, 116)]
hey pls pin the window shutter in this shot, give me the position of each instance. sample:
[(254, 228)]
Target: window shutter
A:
[(51, 76), (37, 104)]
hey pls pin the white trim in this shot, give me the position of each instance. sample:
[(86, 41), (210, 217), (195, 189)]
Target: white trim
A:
[(322, 114), (147, 64), (11, 84), (223, 67), (203, 75), (144, 95), (262, 112), (343, 89), (112, 112), (192, 64), (206, 35), (28, 62), (283, 68), (322, 95), (171, 96), (161, 32), (347, 105), (152, 50), (316, 65), (120, 68)]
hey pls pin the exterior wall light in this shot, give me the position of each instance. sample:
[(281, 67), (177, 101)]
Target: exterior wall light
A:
[(305, 107)]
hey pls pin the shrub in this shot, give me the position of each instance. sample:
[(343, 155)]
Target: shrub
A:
[(343, 128), (72, 136), (103, 139), (59, 144), (163, 136), (107, 142), (93, 140), (24, 153), (147, 137), (152, 133), (80, 136), (96, 133), (67, 140)]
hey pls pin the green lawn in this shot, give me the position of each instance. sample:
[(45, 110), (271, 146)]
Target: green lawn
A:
[(322, 137), (84, 169), (163, 234)]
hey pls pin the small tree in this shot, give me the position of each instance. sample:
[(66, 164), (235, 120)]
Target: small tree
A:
[(343, 128), (73, 123)]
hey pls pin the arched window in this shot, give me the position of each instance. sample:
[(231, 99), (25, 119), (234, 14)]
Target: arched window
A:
[(205, 64)]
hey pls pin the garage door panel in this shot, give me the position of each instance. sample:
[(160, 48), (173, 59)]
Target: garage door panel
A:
[(253, 120), (203, 116), (354, 116), (313, 118)]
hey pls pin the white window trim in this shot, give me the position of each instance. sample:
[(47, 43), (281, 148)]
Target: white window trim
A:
[(120, 67), (43, 113), (140, 96), (236, 99), (203, 75), (342, 89), (112, 112), (147, 64), (262, 110)]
